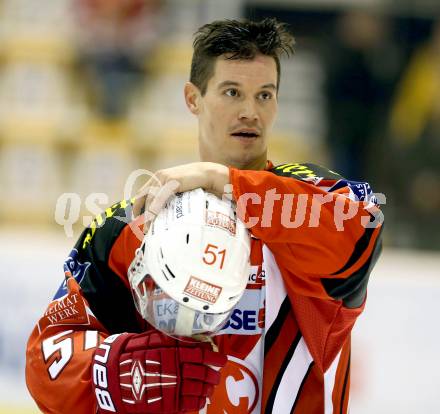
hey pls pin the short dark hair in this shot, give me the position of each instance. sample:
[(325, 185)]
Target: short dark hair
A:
[(238, 40)]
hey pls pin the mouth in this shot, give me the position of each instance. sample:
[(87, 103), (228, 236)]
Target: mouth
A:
[(246, 134)]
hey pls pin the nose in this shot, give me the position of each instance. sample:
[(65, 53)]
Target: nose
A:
[(248, 111)]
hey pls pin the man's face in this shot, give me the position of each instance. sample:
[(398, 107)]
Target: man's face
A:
[(237, 112)]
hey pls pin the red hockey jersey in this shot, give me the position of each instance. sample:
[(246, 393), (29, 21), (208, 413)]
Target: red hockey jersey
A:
[(315, 239)]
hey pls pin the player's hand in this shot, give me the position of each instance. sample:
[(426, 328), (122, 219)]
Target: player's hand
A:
[(154, 373), (152, 197)]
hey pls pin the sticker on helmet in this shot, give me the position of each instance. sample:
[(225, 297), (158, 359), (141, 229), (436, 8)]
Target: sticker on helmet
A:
[(202, 290), (179, 206), (222, 221)]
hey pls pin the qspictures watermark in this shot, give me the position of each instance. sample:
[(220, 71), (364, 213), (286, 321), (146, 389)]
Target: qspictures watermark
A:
[(309, 210), (289, 211)]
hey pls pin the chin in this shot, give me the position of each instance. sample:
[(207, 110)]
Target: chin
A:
[(242, 159)]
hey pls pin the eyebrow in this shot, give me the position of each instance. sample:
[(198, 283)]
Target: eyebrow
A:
[(233, 83)]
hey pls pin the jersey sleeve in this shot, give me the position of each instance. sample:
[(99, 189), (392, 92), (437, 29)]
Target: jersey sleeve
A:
[(92, 302), (324, 233)]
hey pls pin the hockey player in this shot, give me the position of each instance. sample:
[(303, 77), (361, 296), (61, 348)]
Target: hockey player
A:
[(315, 239)]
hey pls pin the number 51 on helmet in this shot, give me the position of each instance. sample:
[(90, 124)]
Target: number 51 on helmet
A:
[(192, 266)]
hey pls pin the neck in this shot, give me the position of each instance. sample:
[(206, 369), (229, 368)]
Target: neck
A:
[(257, 164)]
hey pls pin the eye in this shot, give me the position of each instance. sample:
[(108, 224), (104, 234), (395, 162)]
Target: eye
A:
[(264, 96), (231, 92)]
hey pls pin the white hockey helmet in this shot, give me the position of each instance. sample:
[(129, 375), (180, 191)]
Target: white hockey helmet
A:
[(193, 265)]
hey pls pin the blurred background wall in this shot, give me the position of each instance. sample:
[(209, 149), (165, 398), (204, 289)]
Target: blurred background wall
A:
[(92, 89)]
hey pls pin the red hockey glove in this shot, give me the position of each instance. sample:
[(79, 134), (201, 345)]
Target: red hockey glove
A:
[(153, 373)]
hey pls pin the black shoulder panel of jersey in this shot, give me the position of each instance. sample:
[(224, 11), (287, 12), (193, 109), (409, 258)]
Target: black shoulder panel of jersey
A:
[(353, 289), (108, 297), (305, 172)]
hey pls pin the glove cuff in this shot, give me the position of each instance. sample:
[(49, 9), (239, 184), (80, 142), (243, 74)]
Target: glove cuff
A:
[(105, 374)]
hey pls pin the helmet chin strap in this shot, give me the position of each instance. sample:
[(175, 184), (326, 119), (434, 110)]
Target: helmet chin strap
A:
[(184, 321)]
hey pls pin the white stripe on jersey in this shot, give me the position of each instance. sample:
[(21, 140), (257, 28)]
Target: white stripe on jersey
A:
[(329, 383), (292, 379), (275, 290), (256, 360)]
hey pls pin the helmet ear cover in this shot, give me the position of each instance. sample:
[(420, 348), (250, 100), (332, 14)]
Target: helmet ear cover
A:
[(193, 265)]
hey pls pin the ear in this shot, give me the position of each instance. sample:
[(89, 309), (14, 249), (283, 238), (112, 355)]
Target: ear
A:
[(192, 97)]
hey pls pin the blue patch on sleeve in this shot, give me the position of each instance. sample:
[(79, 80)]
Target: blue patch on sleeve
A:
[(361, 190), (76, 268)]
